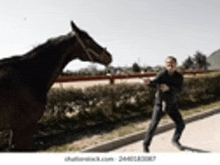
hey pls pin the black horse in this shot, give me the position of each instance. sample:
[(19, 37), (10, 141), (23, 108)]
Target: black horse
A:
[(25, 81)]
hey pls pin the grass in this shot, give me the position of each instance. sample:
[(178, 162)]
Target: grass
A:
[(128, 130), (122, 131), (201, 108)]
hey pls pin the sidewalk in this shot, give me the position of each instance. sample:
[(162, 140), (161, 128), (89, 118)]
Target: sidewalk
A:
[(199, 136)]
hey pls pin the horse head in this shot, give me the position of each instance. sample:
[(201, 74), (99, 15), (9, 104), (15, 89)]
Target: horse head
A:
[(91, 51)]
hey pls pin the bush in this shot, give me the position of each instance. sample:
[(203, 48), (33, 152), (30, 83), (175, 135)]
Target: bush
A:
[(111, 103), (98, 103), (199, 91)]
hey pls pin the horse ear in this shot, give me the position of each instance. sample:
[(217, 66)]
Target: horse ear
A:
[(74, 27)]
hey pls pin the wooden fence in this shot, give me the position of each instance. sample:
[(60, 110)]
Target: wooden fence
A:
[(113, 77)]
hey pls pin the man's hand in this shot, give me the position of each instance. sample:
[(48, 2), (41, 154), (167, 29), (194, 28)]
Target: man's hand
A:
[(164, 87)]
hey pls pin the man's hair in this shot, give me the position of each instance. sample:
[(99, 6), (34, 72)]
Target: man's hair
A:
[(171, 58)]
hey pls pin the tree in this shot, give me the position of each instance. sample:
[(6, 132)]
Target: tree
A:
[(200, 61), (136, 68), (188, 63), (148, 69), (92, 68)]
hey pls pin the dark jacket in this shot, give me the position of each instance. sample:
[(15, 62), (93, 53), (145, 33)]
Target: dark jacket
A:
[(175, 83)]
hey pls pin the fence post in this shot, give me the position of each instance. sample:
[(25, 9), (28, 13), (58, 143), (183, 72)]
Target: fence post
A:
[(111, 80)]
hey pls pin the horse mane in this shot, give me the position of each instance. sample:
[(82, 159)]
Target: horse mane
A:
[(18, 59)]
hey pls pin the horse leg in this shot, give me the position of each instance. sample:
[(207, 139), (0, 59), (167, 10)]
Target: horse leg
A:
[(25, 123), (22, 139)]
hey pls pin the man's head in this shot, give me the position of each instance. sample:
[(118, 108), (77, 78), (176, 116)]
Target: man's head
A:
[(171, 64)]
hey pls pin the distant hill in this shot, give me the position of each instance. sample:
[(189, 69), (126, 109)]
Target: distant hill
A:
[(214, 60)]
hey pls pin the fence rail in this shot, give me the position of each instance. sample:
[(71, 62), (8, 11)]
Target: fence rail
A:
[(113, 77)]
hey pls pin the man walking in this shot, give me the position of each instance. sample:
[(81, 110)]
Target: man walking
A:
[(169, 84)]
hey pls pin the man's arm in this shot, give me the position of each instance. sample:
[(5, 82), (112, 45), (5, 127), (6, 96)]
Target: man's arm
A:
[(155, 82)]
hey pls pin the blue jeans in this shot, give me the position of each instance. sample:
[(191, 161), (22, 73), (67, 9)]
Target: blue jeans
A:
[(175, 115)]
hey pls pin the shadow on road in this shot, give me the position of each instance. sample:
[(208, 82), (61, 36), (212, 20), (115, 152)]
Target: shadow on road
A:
[(186, 148)]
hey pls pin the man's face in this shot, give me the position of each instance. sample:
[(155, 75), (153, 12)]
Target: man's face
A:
[(170, 65)]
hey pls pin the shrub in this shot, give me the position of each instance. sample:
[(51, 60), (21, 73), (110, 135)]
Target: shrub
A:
[(112, 103)]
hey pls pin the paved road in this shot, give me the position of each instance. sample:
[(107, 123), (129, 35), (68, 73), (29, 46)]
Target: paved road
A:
[(199, 136)]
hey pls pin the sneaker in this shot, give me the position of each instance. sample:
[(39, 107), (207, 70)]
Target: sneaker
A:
[(177, 145), (146, 149)]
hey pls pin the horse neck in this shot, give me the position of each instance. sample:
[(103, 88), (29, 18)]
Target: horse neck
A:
[(56, 68), (49, 63)]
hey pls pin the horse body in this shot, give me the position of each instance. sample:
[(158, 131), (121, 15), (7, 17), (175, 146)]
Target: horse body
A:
[(25, 81)]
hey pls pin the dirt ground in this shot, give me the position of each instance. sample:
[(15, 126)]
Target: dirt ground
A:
[(84, 84)]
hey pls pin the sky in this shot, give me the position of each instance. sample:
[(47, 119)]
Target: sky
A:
[(142, 31)]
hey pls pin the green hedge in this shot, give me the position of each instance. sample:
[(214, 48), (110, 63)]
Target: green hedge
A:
[(99, 104)]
